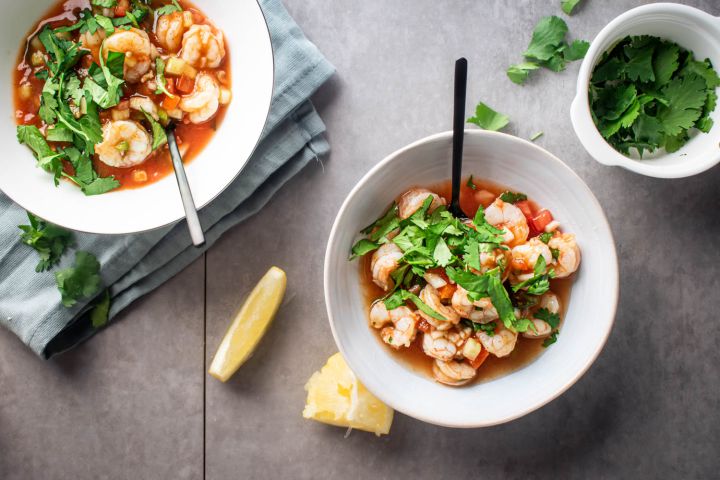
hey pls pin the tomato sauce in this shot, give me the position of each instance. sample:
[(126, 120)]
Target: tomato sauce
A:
[(191, 138), (526, 350)]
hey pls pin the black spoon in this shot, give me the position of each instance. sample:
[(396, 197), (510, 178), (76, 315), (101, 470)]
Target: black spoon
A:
[(458, 136)]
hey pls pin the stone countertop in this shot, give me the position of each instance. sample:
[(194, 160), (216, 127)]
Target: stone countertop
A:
[(135, 402)]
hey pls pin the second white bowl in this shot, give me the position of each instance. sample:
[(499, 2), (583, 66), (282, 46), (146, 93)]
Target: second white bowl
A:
[(692, 29)]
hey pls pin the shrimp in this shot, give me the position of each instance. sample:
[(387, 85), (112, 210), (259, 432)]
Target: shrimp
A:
[(170, 30), (501, 343), (525, 256), (92, 41), (144, 104), (203, 48), (431, 297), (568, 259), (452, 373), (411, 201), (204, 101), (383, 263), (138, 50), (509, 218), (551, 303), (404, 321), (125, 144), (480, 311), (437, 345)]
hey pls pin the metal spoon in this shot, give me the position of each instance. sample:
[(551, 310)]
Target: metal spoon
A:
[(193, 222), (458, 135)]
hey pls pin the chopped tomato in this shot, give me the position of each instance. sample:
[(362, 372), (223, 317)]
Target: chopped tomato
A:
[(120, 11), (446, 292), (525, 208), (541, 220), (185, 84), (482, 356), (170, 103), (170, 84), (423, 326)]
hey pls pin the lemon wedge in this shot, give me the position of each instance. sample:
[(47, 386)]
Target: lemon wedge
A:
[(249, 325), (336, 396)]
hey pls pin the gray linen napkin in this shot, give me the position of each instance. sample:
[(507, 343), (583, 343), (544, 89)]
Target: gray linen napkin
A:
[(133, 265)]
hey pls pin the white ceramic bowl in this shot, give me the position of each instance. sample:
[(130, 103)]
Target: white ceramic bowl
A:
[(692, 29), (157, 204), (524, 167)]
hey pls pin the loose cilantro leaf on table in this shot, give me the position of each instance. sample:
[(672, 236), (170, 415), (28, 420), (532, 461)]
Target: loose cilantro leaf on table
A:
[(647, 93), (568, 6), (548, 48), (80, 281), (50, 241), (488, 119), (99, 313), (535, 136)]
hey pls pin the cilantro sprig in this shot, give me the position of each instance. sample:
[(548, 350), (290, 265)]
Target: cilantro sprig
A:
[(548, 48), (50, 241), (647, 93), (488, 119)]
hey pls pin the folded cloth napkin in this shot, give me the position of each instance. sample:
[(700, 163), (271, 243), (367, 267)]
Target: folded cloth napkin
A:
[(133, 265)]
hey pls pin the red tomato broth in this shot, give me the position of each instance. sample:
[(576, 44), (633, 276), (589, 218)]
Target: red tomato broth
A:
[(158, 165), (413, 358)]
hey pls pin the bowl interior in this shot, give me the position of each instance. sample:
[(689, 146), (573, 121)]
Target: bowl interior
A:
[(692, 29), (524, 167), (159, 203)]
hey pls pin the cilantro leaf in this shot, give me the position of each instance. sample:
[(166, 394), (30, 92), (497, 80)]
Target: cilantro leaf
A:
[(545, 237), (442, 254), (399, 297), (363, 247), (80, 281), (547, 36), (576, 50), (568, 6), (520, 72), (536, 135), (665, 62), (686, 97), (488, 119), (100, 312), (552, 319), (50, 241), (105, 3), (470, 184), (551, 339), (47, 158), (160, 78), (158, 132), (639, 65), (512, 197), (540, 281), (168, 9)]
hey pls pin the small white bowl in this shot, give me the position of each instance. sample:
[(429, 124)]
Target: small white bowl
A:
[(692, 29), (524, 167), (158, 204)]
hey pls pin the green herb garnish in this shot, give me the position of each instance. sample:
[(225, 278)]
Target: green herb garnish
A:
[(470, 184), (488, 119), (512, 197), (647, 94), (548, 49), (50, 241), (540, 281), (80, 281), (568, 6)]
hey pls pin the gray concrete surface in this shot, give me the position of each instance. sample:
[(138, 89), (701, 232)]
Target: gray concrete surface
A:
[(129, 404)]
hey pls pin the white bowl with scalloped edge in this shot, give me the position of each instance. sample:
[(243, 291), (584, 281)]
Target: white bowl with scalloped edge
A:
[(522, 166), (692, 29), (157, 204)]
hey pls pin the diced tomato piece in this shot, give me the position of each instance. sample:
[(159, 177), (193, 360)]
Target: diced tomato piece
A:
[(170, 84), (185, 84), (447, 291), (482, 356), (424, 326), (541, 220), (525, 208), (170, 103), (120, 11)]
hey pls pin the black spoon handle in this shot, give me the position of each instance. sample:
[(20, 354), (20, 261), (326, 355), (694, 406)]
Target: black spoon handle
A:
[(458, 133)]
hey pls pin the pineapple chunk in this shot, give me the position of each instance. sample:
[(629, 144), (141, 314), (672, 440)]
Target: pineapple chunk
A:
[(471, 349)]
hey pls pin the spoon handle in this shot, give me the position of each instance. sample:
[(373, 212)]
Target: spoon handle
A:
[(196, 232), (461, 66)]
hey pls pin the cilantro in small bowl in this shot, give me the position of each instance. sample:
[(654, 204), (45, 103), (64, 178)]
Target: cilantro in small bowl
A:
[(647, 92)]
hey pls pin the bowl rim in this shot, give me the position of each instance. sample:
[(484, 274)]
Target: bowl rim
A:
[(586, 130), (613, 295), (182, 216)]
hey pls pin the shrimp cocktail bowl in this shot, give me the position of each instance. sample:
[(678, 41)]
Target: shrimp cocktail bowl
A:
[(96, 83), (499, 304)]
